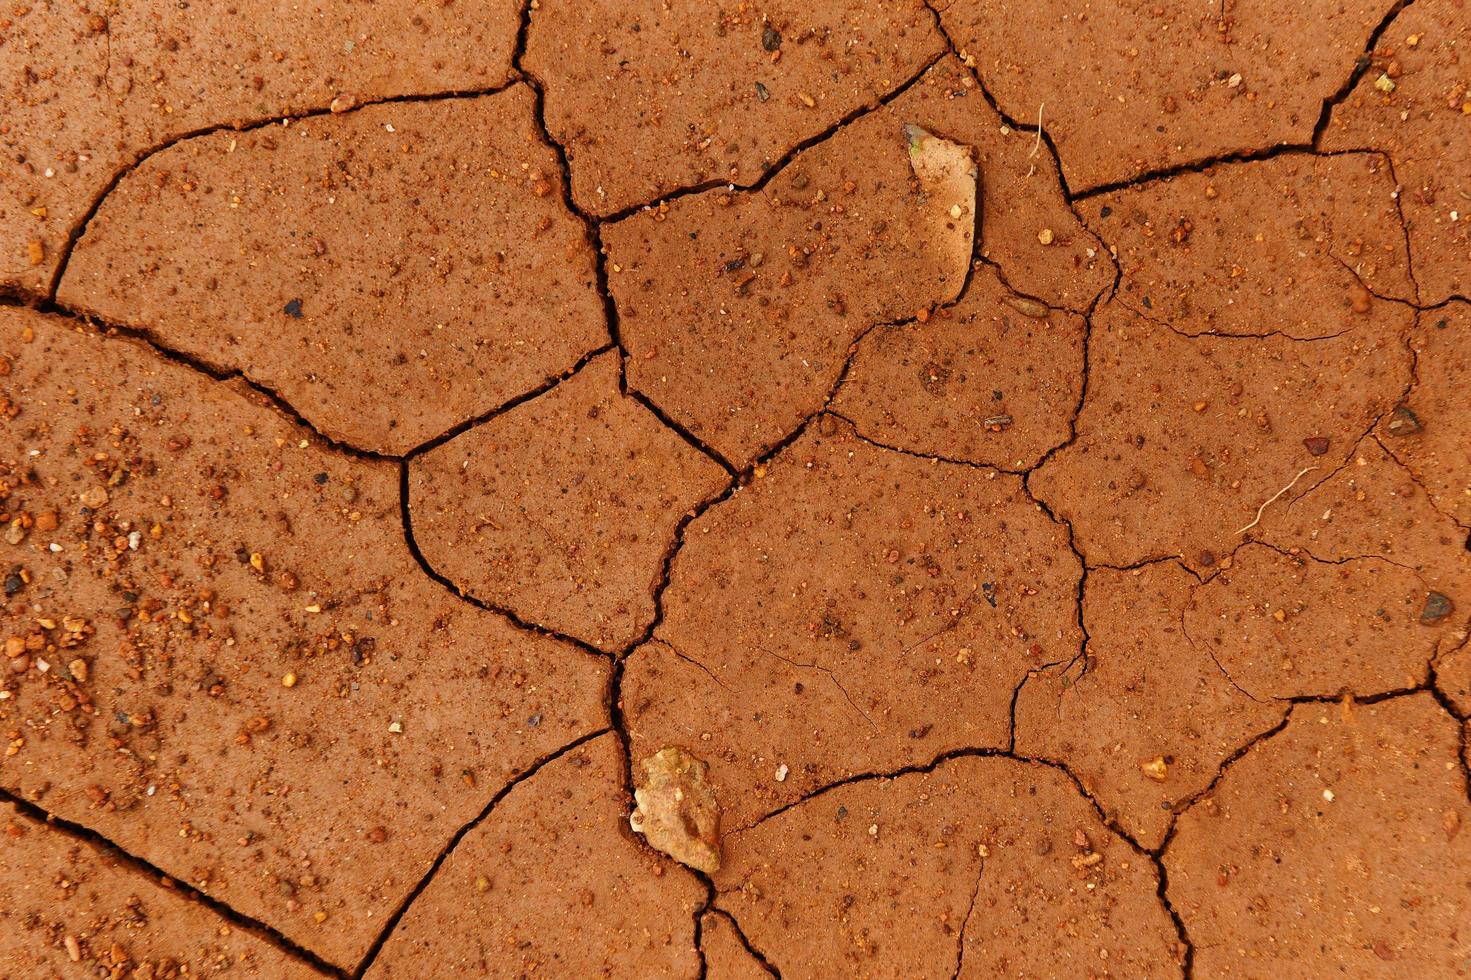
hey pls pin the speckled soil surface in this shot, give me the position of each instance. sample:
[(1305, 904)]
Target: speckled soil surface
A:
[(932, 488)]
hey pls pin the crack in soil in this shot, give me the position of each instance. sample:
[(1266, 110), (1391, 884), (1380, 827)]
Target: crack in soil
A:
[(592, 229), (510, 615), (141, 156), (424, 880), (146, 869), (755, 953)]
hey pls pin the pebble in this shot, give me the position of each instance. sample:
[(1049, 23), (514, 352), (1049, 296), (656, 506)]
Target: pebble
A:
[(1437, 607), (1404, 422)]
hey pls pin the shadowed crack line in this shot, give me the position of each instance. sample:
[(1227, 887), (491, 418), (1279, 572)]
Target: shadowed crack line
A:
[(1361, 67), (141, 156), (145, 337), (1289, 704), (965, 922), (950, 755), (388, 927), (927, 457), (679, 429), (592, 232), (1310, 146), (550, 382), (740, 933), (147, 869), (782, 162), (509, 615), (741, 477)]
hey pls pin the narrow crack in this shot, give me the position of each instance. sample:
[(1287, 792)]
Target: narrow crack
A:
[(755, 954), (509, 615), (1415, 478), (477, 820), (1201, 165), (950, 755), (927, 457), (547, 384), (782, 162), (831, 675), (1210, 651), (965, 922), (1183, 805), (739, 478), (1361, 67), (145, 868), (141, 156), (96, 325)]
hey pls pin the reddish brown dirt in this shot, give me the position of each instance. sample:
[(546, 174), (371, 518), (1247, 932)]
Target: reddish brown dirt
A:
[(555, 489)]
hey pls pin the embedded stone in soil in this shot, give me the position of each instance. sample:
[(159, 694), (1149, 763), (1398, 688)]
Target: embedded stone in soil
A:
[(75, 909), (562, 508), (738, 308), (390, 272), (649, 97), (1434, 447), (1299, 244), (223, 657), (1407, 105), (1123, 91), (994, 379), (1184, 441), (88, 90), (852, 610), (552, 881), (1147, 719), (676, 810), (1336, 845), (984, 867)]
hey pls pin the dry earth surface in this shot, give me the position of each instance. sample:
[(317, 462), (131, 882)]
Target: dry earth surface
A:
[(581, 488)]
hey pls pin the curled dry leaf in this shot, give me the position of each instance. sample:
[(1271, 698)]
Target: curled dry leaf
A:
[(676, 811), (947, 174)]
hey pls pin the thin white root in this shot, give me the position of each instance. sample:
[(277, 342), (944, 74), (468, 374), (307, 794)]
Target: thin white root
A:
[(1275, 497)]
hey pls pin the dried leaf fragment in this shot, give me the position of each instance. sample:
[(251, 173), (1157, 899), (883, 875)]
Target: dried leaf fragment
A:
[(947, 175), (677, 812)]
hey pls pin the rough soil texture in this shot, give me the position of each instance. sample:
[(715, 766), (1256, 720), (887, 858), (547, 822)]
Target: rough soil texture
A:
[(1335, 845), (979, 868), (224, 657), (591, 489), (563, 508), (74, 908), (907, 600), (476, 287), (650, 97), (1411, 103), (727, 956), (556, 850), (993, 380), (1127, 90), (89, 90)]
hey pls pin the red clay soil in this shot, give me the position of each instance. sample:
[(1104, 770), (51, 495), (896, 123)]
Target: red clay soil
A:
[(928, 488)]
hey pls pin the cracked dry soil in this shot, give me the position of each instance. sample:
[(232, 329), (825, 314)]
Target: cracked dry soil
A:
[(666, 489)]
